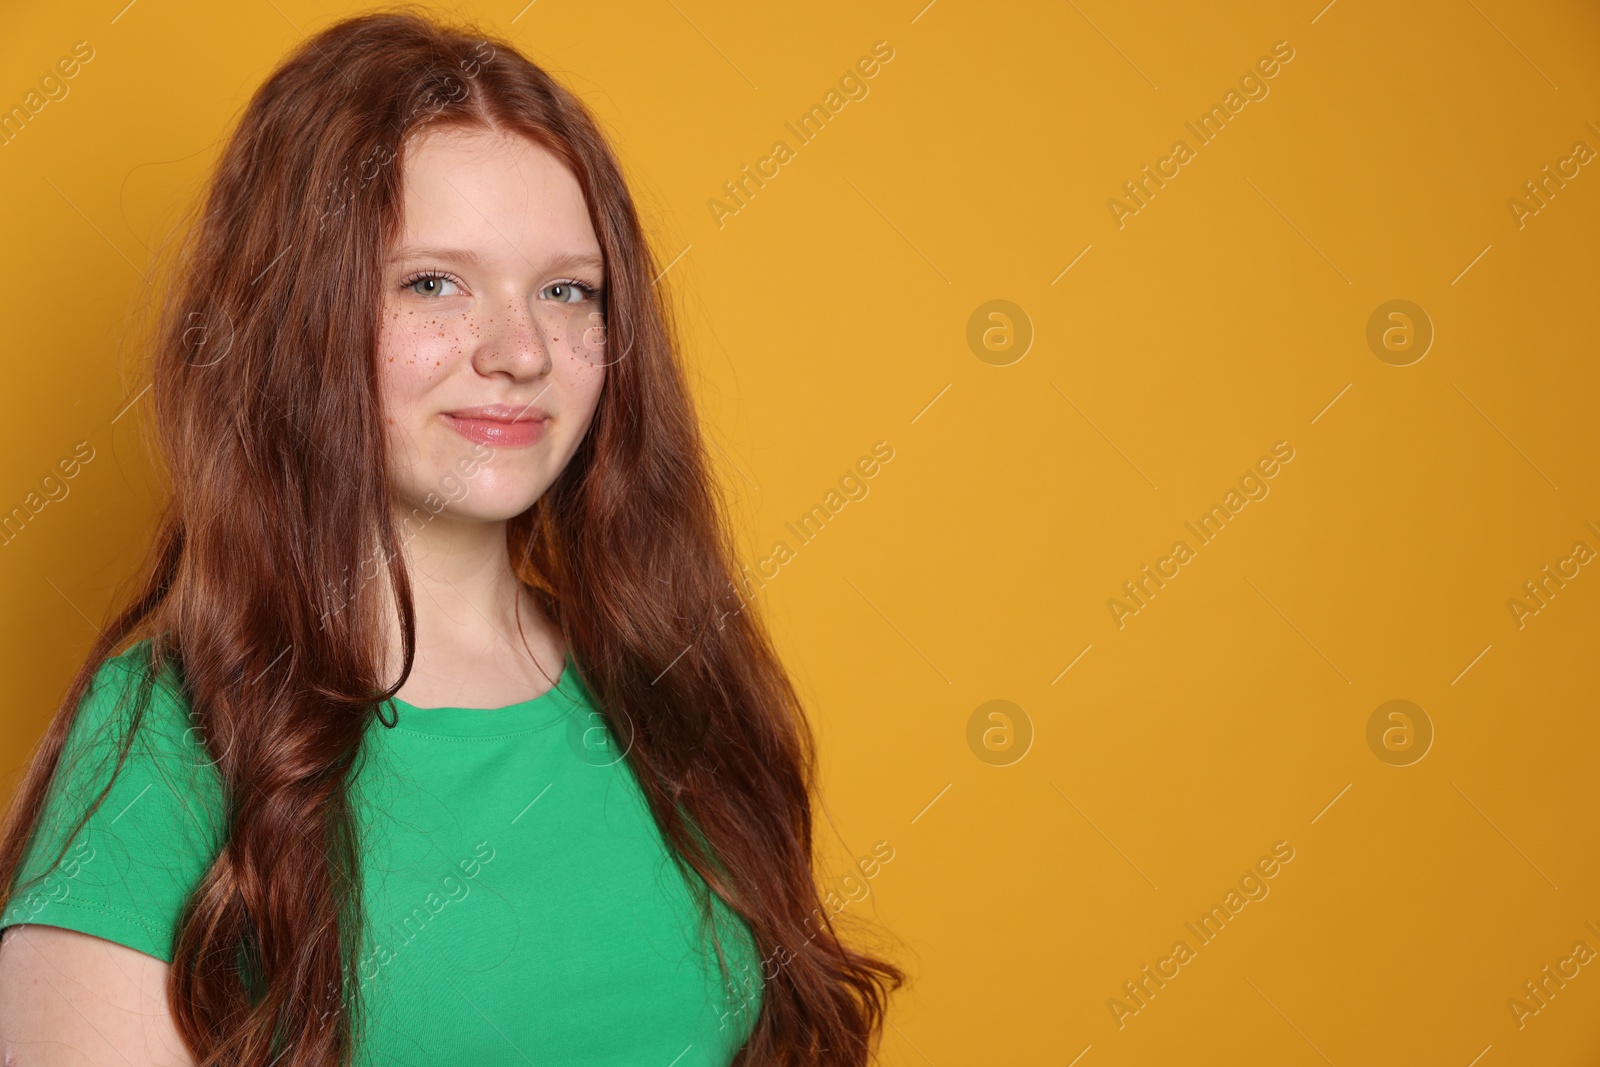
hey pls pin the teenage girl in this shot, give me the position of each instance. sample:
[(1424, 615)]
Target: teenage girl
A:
[(436, 731)]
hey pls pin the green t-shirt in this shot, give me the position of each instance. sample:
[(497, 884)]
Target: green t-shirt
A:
[(522, 905)]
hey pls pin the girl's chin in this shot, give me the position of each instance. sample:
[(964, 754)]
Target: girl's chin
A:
[(473, 505)]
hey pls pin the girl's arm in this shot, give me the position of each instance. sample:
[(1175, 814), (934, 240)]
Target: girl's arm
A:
[(68, 998)]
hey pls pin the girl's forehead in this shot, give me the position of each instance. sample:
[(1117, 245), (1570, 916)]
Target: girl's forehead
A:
[(493, 188)]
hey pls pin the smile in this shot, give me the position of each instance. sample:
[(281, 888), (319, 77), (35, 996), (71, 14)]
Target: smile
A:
[(502, 428)]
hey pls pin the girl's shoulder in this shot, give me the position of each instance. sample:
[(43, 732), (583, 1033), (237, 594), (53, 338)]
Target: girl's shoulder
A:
[(133, 667), (134, 815), (129, 693)]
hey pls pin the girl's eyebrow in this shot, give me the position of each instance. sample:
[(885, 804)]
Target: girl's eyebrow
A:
[(459, 255), (569, 260)]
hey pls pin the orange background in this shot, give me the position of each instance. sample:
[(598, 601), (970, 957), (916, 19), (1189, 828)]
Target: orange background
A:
[(1229, 313)]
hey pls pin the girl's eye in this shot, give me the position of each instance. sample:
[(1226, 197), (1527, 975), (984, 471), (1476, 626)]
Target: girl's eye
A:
[(570, 292), (431, 285)]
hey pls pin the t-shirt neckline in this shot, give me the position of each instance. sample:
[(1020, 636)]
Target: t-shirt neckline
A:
[(535, 713)]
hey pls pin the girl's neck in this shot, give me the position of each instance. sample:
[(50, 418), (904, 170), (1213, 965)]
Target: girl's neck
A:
[(481, 640)]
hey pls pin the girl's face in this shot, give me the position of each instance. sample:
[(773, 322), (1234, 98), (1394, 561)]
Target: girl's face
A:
[(491, 351)]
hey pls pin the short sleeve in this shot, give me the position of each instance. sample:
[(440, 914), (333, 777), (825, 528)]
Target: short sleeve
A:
[(126, 874)]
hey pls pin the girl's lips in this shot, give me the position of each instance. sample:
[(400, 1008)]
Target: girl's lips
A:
[(497, 432)]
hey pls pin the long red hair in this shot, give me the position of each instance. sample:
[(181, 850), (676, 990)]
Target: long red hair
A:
[(259, 590)]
